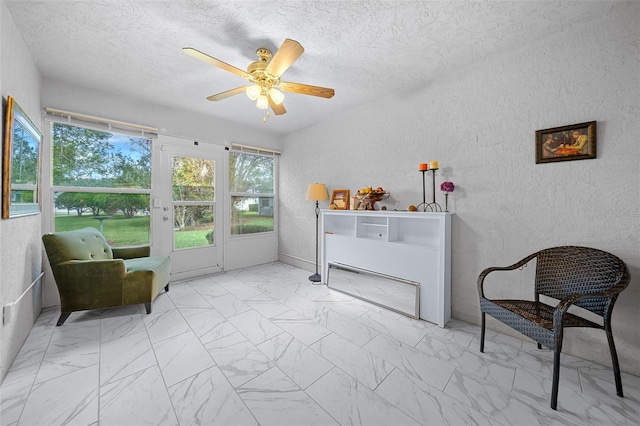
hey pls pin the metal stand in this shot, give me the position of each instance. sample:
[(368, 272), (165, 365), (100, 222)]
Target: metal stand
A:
[(315, 278), (432, 206)]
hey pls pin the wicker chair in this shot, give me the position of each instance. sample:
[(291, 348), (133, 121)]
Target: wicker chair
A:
[(580, 276)]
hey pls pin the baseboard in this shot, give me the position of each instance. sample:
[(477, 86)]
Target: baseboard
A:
[(180, 276), (296, 261)]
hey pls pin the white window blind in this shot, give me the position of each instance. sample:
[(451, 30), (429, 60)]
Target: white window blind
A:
[(102, 124)]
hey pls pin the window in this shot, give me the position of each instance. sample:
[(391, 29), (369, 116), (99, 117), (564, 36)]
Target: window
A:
[(251, 186), (101, 180), (193, 197)]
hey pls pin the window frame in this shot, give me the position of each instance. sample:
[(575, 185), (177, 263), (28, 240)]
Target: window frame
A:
[(49, 189), (274, 155)]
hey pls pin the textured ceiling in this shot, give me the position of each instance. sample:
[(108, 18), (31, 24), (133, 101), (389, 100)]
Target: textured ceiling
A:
[(365, 50)]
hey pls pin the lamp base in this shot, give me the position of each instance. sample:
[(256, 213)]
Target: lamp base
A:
[(315, 278)]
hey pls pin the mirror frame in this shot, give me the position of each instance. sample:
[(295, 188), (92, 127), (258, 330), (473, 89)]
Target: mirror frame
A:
[(15, 115)]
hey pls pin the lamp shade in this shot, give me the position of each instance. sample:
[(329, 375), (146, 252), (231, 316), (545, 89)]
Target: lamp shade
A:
[(276, 96), (317, 192), (253, 91), (262, 102)]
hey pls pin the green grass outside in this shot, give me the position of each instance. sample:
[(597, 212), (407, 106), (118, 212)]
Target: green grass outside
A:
[(253, 219), (250, 222), (120, 231), (188, 239)]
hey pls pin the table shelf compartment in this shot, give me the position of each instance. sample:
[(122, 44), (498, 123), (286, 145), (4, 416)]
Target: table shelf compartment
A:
[(340, 225), (373, 228)]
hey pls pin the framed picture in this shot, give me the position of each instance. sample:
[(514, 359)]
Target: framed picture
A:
[(340, 199), (566, 143), (20, 163)]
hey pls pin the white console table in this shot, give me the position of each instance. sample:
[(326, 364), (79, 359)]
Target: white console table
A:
[(409, 246)]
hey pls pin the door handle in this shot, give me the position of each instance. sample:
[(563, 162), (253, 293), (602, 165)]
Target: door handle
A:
[(165, 218)]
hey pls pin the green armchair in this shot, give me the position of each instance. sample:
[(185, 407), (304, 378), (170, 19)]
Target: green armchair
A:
[(92, 275)]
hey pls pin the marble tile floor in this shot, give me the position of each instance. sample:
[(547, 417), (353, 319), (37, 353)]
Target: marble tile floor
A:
[(263, 346)]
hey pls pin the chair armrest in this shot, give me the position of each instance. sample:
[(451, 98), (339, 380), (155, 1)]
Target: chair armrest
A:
[(88, 274), (131, 252), (89, 284), (562, 306), (487, 271), (75, 269)]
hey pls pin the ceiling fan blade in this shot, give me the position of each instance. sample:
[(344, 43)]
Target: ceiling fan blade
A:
[(306, 89), (216, 62), (227, 94), (289, 51), (278, 109)]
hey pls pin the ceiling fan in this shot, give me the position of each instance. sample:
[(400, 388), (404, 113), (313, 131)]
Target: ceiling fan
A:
[(264, 76)]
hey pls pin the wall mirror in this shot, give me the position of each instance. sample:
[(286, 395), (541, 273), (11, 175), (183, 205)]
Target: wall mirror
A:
[(20, 163)]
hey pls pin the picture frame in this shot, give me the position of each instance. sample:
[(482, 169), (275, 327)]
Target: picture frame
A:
[(20, 163), (340, 199), (566, 143)]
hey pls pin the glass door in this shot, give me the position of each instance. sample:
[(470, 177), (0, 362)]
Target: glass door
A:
[(192, 211)]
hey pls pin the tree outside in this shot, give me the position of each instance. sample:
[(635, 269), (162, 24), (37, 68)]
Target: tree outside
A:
[(252, 186), (87, 159), (193, 179)]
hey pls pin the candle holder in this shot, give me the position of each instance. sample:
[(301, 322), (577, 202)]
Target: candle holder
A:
[(432, 206)]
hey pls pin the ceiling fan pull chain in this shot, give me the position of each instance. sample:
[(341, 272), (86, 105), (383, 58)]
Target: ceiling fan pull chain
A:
[(266, 115)]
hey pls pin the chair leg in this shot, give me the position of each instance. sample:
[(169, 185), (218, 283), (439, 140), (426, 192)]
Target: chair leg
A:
[(166, 287), (148, 307), (482, 333), (63, 318), (556, 378), (614, 362)]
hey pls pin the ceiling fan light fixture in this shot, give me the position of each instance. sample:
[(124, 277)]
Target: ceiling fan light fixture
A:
[(276, 96), (253, 91), (263, 102), (263, 84)]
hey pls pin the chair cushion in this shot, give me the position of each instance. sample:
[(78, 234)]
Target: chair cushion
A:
[(146, 263), (145, 278), (82, 244)]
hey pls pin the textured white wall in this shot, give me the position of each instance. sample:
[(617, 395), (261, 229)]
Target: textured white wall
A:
[(479, 123), (20, 246)]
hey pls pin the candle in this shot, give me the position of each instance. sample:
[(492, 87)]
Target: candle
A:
[(423, 167), (433, 165)]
